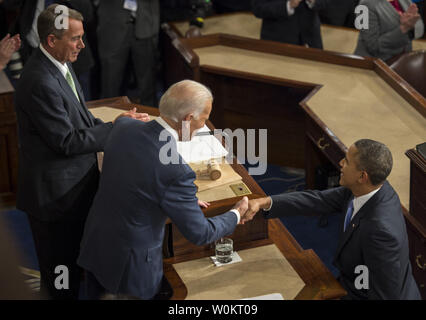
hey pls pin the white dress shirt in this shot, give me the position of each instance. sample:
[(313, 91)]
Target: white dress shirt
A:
[(290, 10), (360, 201), (63, 68)]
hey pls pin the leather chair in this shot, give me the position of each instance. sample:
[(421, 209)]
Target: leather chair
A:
[(411, 67)]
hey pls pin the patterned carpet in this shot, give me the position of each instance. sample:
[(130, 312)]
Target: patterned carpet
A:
[(306, 230)]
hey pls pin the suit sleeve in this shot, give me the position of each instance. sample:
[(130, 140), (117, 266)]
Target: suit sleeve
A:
[(377, 42), (48, 115), (380, 251), (308, 202), (270, 9), (323, 5), (181, 206)]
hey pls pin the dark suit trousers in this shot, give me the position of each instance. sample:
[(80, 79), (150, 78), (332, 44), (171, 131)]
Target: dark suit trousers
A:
[(95, 291), (114, 55), (57, 243)]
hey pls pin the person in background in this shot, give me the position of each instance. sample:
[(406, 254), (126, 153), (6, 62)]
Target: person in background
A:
[(291, 21), (140, 188), (393, 24), (128, 32), (8, 46), (373, 235)]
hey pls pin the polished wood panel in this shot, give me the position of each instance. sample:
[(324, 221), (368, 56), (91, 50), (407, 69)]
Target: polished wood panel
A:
[(239, 98), (417, 186), (416, 218), (417, 241), (8, 139)]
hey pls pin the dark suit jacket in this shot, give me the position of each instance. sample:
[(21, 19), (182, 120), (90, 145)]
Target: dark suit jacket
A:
[(112, 17), (303, 27), (58, 141), (124, 232), (376, 238)]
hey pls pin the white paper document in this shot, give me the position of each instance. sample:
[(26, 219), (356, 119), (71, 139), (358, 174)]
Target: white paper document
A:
[(201, 148), (272, 296)]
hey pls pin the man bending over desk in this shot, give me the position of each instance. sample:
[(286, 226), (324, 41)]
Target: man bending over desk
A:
[(123, 236), (373, 236)]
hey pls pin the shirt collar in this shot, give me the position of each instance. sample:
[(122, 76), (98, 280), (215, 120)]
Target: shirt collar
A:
[(166, 126), (361, 200), (63, 68)]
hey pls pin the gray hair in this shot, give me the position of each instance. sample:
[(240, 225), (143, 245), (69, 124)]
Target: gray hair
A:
[(184, 97), (46, 21), (374, 158)]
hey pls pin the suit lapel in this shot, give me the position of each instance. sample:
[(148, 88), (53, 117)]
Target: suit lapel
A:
[(66, 87), (345, 235), (81, 103), (353, 225)]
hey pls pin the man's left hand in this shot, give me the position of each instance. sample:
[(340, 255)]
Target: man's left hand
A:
[(135, 115), (203, 204)]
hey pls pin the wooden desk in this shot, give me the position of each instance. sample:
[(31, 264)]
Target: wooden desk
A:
[(320, 283), (8, 143), (416, 218), (262, 84), (246, 24), (314, 103)]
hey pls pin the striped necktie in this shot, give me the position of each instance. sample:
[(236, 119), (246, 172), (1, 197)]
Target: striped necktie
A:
[(349, 214), (70, 81)]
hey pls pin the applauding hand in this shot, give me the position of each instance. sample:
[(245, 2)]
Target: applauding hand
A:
[(409, 18), (294, 3)]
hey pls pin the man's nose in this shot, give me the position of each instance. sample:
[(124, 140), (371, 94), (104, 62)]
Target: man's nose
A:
[(82, 45)]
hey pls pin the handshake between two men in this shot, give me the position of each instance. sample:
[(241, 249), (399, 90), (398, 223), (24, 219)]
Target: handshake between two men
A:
[(249, 208)]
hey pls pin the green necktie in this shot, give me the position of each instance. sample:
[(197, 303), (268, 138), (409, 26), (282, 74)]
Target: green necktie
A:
[(70, 81)]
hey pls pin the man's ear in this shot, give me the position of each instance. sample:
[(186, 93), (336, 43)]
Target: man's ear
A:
[(51, 39), (188, 117), (364, 178)]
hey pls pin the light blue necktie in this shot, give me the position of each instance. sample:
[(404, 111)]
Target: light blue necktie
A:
[(349, 215)]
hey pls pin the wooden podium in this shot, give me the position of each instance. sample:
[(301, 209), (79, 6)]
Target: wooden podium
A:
[(313, 103), (319, 283)]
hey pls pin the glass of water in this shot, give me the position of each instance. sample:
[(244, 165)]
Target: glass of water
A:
[(224, 248)]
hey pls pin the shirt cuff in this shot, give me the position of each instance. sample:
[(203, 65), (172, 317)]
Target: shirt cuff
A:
[(290, 10), (270, 207), (237, 213)]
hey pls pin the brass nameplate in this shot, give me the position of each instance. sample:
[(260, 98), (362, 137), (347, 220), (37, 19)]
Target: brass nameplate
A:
[(240, 189)]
